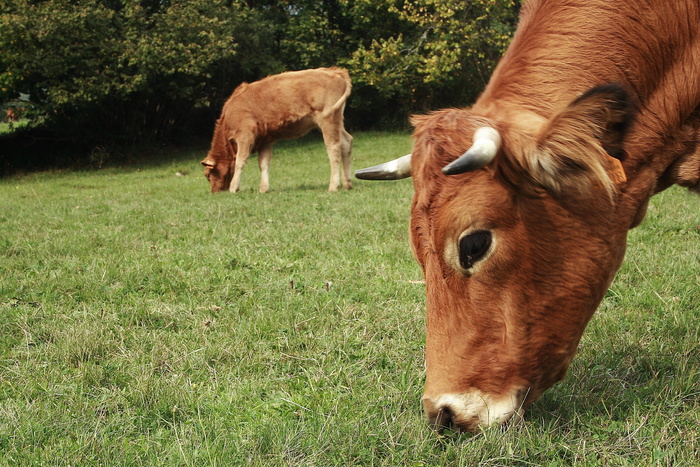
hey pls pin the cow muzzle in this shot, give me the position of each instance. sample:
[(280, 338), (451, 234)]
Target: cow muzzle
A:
[(473, 411)]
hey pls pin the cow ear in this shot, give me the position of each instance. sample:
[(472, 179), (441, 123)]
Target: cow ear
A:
[(208, 163), (580, 148)]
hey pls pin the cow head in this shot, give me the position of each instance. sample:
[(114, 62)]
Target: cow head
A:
[(220, 163), (218, 172), (518, 242)]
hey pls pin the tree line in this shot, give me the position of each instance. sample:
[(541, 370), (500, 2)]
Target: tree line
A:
[(95, 72)]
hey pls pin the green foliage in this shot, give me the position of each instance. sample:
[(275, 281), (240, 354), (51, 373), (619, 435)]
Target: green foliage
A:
[(94, 65), (54, 49), (444, 47), (100, 71), (403, 56)]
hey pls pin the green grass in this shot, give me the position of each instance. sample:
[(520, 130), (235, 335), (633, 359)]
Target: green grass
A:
[(144, 321), (9, 127)]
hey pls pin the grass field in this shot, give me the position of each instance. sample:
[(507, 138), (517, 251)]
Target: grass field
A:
[(7, 127), (144, 321)]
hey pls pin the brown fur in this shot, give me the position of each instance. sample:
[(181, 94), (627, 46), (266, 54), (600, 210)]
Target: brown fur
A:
[(10, 115), (558, 219), (284, 106)]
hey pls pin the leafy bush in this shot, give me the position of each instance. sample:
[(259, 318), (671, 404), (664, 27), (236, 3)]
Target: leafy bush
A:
[(122, 71), (123, 68)]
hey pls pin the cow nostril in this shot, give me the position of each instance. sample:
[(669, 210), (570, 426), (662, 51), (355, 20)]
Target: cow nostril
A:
[(443, 419), (440, 415)]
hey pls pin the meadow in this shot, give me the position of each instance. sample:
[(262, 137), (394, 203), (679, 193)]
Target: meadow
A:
[(144, 321), (8, 127)]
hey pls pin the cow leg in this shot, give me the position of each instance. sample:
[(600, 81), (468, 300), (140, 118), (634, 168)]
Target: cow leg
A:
[(331, 136), (346, 152), (264, 157), (241, 159)]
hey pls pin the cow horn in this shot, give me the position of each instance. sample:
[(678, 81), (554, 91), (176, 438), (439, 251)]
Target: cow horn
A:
[(392, 170), (208, 163), (483, 151)]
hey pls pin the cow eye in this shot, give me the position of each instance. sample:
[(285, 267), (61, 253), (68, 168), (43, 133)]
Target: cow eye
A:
[(473, 247)]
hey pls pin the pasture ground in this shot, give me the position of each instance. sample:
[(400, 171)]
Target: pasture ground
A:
[(144, 321), (8, 127)]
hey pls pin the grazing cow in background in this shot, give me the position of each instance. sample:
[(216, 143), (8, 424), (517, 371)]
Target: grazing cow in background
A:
[(523, 202), (283, 106), (10, 115)]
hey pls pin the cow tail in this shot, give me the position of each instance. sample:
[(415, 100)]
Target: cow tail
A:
[(348, 88)]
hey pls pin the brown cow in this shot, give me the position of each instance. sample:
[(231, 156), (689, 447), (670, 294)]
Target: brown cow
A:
[(283, 106), (10, 116), (592, 110)]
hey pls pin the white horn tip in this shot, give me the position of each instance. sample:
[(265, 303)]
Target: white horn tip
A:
[(392, 170)]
